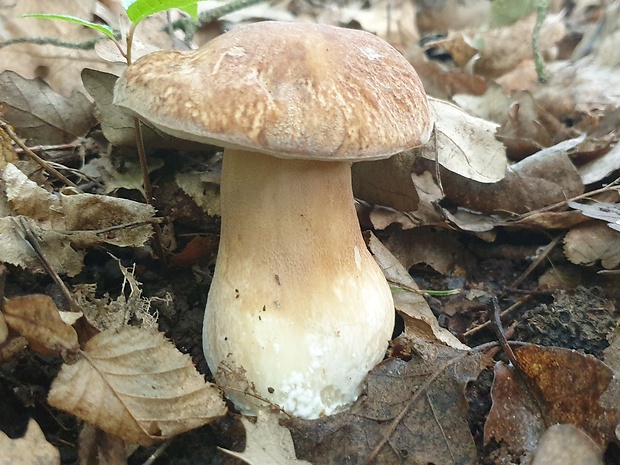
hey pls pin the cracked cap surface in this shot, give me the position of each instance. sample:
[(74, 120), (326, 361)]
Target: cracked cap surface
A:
[(292, 90)]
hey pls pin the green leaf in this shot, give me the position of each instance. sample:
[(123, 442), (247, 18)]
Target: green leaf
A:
[(137, 10), (103, 28)]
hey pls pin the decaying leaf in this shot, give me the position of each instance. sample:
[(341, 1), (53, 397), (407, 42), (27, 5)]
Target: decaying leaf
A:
[(267, 442), (66, 223), (466, 145), (39, 114), (116, 124), (591, 242), (135, 384), (105, 313), (420, 323), (96, 447), (604, 211), (564, 387), (420, 406), (37, 318), (434, 428), (32, 449), (562, 444)]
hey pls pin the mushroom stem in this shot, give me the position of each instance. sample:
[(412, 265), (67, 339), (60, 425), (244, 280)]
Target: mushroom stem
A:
[(297, 303)]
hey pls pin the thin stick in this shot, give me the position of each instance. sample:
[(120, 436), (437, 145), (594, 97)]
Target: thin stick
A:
[(34, 243), (42, 163)]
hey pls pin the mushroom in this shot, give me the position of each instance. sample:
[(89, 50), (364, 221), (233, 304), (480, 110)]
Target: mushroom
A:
[(298, 310)]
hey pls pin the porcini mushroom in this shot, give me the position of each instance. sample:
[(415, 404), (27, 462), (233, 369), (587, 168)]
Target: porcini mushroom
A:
[(297, 306)]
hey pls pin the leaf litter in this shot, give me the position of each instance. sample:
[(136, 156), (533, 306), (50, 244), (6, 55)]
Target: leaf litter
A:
[(512, 161)]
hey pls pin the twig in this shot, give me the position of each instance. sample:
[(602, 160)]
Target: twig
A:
[(544, 254), (401, 415), (614, 185), (42, 163), (148, 190), (503, 314), (34, 243), (134, 224)]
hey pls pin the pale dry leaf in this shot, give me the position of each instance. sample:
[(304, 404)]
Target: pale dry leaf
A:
[(40, 115), (117, 125), (591, 242), (466, 145), (267, 442), (205, 194), (37, 318), (65, 223), (4, 329), (562, 444), (135, 384), (420, 323), (31, 449)]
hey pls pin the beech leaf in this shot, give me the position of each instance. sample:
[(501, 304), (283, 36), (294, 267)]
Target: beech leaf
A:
[(267, 443), (37, 318), (135, 384), (30, 449)]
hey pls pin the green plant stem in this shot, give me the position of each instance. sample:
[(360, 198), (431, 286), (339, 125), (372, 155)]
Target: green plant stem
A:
[(541, 13), (86, 45)]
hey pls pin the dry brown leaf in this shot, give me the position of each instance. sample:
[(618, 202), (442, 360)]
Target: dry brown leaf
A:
[(267, 442), (36, 317), (42, 116), (65, 223), (434, 429), (427, 392), (562, 444), (466, 145), (593, 241), (133, 383), (420, 323), (32, 449), (540, 180), (566, 385)]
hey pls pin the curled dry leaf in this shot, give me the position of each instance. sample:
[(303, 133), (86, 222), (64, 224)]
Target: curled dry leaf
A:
[(465, 145), (40, 115), (65, 223), (31, 449), (267, 442), (135, 384), (420, 323), (591, 242), (37, 318), (570, 389)]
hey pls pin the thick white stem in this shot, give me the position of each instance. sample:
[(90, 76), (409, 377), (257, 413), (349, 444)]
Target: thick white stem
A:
[(296, 300)]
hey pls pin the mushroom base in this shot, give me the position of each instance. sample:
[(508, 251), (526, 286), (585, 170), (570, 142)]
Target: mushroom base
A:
[(298, 311)]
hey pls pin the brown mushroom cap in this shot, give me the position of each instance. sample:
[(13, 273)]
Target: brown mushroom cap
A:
[(287, 89)]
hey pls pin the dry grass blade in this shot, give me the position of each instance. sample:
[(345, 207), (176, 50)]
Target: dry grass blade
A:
[(135, 384)]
